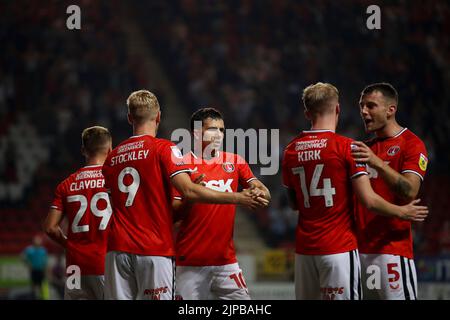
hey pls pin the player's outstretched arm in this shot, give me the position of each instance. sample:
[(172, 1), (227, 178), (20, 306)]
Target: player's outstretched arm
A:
[(405, 185), (373, 202), (180, 203), (51, 226), (197, 193)]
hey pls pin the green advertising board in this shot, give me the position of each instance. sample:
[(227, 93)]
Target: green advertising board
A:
[(13, 272)]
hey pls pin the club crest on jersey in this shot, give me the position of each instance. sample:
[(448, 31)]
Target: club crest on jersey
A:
[(392, 151), (423, 162), (228, 167), (176, 152)]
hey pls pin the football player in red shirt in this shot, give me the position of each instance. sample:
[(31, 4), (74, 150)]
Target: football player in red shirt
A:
[(320, 173), (207, 267), (139, 173), (83, 200), (397, 160)]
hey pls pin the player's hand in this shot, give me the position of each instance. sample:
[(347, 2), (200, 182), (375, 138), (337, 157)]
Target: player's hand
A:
[(363, 154), (412, 212), (249, 199), (256, 192)]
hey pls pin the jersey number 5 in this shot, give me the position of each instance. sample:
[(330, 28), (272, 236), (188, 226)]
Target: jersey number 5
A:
[(327, 192)]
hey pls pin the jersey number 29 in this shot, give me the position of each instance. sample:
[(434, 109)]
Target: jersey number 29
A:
[(105, 214)]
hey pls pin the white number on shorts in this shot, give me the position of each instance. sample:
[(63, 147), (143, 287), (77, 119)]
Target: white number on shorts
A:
[(132, 188), (327, 192), (105, 214)]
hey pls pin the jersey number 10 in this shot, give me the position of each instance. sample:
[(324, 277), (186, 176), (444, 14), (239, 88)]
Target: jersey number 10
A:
[(327, 192)]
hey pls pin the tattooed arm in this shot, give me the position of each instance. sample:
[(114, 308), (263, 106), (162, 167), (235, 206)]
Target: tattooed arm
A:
[(404, 185)]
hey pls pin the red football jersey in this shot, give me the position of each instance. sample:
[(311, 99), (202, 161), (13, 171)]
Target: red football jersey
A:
[(137, 173), (318, 165), (377, 234), (82, 198), (205, 237)]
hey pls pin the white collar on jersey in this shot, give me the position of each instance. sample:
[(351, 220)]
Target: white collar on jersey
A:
[(318, 130), (140, 135), (401, 131), (93, 166), (195, 156)]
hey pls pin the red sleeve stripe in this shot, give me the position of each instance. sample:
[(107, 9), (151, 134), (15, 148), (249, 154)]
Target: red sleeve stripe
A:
[(179, 171), (358, 174), (412, 171)]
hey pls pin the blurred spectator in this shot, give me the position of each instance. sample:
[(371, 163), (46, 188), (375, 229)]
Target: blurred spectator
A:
[(35, 257)]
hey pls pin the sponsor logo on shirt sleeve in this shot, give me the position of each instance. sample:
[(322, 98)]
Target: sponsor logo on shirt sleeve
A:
[(423, 162)]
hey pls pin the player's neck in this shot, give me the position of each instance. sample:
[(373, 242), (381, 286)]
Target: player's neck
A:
[(208, 154), (323, 124), (148, 128), (391, 129), (95, 161)]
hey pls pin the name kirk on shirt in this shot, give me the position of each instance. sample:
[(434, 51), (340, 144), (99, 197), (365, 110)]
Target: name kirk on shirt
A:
[(309, 155), (129, 156)]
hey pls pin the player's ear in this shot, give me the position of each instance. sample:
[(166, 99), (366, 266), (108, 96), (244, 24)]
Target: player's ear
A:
[(391, 110), (338, 109), (158, 117), (307, 114)]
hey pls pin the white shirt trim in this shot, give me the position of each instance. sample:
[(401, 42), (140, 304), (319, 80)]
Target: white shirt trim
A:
[(93, 165), (318, 130), (358, 174), (412, 171), (398, 134), (178, 198), (140, 135), (217, 156), (251, 179), (180, 171)]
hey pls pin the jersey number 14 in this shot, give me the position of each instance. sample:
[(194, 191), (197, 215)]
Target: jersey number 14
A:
[(327, 191)]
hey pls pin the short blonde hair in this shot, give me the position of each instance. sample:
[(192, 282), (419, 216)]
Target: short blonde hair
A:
[(142, 106), (95, 139), (318, 98)]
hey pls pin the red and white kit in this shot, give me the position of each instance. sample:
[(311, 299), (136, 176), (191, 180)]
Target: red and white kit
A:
[(82, 198), (385, 243), (137, 174), (207, 267), (319, 167)]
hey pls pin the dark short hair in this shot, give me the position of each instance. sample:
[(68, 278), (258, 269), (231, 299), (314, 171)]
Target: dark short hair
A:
[(203, 114), (385, 88), (95, 139)]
